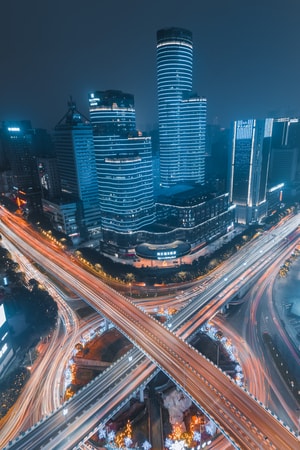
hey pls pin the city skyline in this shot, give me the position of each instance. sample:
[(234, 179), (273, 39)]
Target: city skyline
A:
[(244, 56)]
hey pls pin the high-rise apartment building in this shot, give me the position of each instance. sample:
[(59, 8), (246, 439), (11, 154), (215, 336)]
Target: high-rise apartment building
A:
[(181, 113), (251, 143), (74, 147), (124, 165)]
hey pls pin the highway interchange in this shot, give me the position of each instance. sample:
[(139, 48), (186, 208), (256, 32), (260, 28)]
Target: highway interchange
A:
[(216, 388)]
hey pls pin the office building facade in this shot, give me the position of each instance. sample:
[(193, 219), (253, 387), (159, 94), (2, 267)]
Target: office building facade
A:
[(124, 166), (181, 113), (285, 153), (19, 142), (251, 144), (6, 349), (187, 223), (49, 178), (63, 215), (74, 147)]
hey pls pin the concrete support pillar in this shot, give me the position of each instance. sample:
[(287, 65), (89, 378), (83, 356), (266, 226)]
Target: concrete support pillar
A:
[(141, 394), (106, 322)]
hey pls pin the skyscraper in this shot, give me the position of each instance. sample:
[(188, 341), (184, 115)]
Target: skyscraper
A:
[(181, 113), (285, 153), (20, 145), (49, 178), (251, 145), (6, 349), (76, 162), (124, 164)]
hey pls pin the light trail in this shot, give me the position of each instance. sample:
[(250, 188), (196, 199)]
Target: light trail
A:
[(197, 376)]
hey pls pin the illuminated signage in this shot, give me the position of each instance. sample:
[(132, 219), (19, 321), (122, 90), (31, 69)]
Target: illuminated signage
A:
[(14, 129), (167, 254)]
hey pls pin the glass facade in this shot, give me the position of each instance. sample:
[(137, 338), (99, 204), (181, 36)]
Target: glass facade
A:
[(76, 162), (249, 168), (192, 130), (20, 142), (182, 115), (6, 350), (285, 153), (123, 162), (112, 112), (63, 215), (180, 226), (49, 177)]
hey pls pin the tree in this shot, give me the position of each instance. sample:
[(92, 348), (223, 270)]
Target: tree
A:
[(182, 276), (130, 278)]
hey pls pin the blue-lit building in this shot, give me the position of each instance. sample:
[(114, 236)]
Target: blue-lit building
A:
[(275, 198), (63, 215), (49, 177), (285, 155), (6, 349), (133, 220), (181, 113), (75, 154), (124, 169), (251, 145), (186, 220), (19, 141)]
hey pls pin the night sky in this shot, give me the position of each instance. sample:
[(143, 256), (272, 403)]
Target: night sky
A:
[(246, 55)]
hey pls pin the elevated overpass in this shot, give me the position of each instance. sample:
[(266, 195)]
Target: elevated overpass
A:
[(184, 365)]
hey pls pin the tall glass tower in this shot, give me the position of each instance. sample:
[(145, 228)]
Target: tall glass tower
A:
[(76, 162), (20, 144), (181, 114), (251, 145), (124, 163)]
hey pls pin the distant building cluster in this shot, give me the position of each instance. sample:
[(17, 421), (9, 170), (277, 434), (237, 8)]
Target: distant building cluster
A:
[(156, 195)]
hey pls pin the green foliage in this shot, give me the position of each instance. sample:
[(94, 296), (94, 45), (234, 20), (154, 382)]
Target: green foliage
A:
[(10, 388), (185, 272), (38, 307)]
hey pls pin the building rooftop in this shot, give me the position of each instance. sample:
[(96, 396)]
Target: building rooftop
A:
[(184, 195)]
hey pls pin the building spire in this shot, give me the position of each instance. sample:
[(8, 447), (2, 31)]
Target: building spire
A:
[(71, 103), (72, 116)]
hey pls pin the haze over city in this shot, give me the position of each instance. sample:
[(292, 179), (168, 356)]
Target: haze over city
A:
[(245, 56), (150, 225)]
